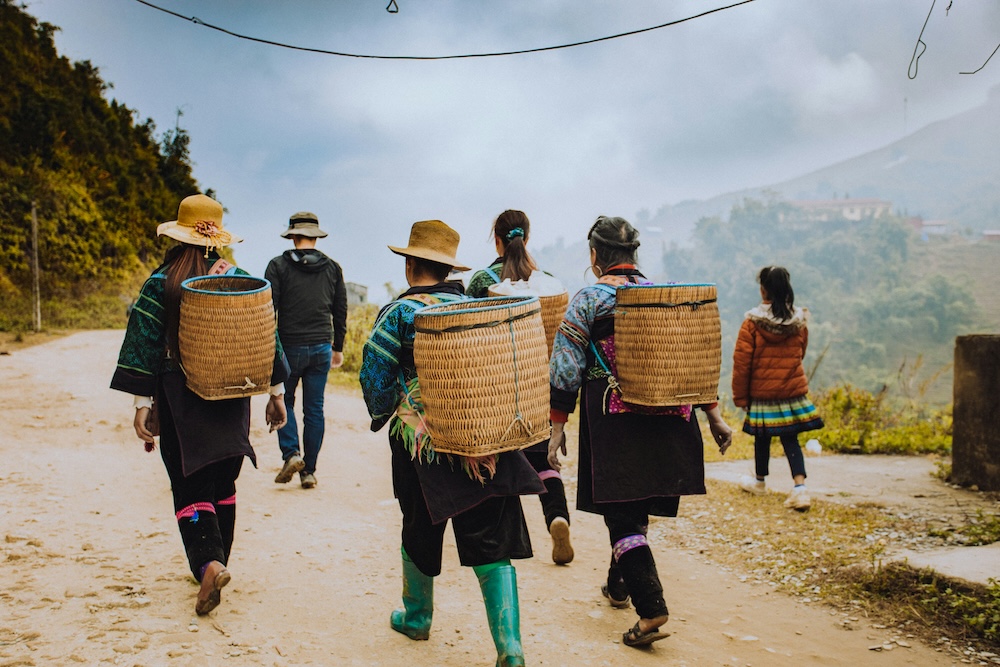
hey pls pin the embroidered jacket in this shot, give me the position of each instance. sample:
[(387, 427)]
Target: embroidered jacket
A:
[(387, 366), (481, 280), (143, 354)]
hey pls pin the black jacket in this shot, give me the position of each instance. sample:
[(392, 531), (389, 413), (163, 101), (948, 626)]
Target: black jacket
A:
[(309, 297)]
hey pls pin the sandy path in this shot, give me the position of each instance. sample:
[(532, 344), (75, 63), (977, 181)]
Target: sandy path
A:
[(92, 571)]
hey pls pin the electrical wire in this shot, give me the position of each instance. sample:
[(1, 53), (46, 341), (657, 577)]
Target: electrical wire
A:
[(259, 40)]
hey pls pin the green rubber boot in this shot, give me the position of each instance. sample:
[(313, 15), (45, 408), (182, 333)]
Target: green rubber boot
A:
[(414, 619), (498, 582)]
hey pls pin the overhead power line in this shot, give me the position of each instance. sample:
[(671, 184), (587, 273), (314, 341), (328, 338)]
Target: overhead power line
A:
[(259, 40)]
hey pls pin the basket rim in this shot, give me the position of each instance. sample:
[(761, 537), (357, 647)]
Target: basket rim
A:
[(449, 309), (186, 285), (662, 285)]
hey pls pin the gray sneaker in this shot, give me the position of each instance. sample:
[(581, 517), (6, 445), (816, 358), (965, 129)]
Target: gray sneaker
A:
[(308, 480), (293, 464)]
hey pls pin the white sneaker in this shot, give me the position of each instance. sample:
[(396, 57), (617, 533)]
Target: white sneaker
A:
[(753, 486), (798, 499)]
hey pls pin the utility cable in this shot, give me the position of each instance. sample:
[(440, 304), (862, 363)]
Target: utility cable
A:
[(259, 40)]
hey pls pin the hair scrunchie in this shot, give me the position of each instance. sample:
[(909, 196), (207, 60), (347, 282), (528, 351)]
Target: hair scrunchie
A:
[(514, 233)]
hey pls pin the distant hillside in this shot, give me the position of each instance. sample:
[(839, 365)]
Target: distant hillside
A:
[(947, 171), (97, 176)]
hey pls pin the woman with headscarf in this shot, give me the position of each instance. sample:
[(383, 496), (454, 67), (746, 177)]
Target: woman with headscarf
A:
[(202, 443), (634, 462)]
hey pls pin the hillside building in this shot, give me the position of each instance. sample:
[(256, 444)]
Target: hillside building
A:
[(819, 210), (357, 295)]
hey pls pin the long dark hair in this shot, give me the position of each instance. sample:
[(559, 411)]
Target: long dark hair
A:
[(777, 283), (615, 241), (181, 262), (512, 228)]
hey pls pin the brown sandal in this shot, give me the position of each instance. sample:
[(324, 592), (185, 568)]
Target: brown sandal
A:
[(210, 599), (636, 637)]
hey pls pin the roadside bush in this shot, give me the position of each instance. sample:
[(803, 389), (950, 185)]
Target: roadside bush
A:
[(359, 324), (860, 422)]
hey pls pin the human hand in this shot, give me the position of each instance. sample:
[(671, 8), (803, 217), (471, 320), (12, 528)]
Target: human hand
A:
[(721, 432), (557, 443), (139, 424), (336, 360), (275, 414)]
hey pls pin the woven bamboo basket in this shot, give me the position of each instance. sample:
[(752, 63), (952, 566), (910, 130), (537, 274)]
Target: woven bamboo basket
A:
[(226, 336), (668, 343), (484, 374), (553, 311)]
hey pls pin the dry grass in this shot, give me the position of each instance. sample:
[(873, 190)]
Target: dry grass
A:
[(834, 555), (12, 341)]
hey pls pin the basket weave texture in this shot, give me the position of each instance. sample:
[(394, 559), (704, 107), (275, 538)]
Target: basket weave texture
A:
[(226, 336), (484, 374), (668, 343), (553, 310)]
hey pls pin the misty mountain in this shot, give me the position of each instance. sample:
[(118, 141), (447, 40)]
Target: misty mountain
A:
[(945, 171)]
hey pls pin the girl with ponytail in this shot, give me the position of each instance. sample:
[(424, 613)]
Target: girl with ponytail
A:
[(510, 234)]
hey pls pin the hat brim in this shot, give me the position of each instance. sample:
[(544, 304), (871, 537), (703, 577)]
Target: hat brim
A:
[(431, 256), (186, 235), (309, 232)]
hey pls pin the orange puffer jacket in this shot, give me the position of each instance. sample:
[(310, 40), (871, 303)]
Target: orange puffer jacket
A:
[(767, 361)]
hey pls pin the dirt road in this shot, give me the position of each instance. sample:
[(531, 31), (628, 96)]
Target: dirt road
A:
[(92, 571)]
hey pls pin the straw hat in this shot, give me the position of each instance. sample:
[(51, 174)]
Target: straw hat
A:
[(304, 223), (199, 222), (434, 241)]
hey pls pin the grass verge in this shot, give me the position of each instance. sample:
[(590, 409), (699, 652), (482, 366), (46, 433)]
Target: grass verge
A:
[(834, 554)]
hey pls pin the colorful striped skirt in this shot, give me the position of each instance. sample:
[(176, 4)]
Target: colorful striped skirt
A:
[(781, 417)]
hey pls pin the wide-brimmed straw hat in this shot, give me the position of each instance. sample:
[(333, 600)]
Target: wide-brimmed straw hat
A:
[(199, 222), (434, 241), (304, 223)]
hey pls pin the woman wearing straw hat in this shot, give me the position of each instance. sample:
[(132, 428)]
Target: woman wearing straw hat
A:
[(632, 463), (202, 443), (510, 234), (479, 496)]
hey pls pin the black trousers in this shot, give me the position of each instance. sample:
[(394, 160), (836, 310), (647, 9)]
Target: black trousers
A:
[(636, 566), (492, 531), (554, 499), (208, 535)]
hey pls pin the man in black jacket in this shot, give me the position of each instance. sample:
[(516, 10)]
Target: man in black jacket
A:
[(310, 301)]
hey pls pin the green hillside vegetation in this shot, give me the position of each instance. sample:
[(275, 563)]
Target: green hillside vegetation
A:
[(884, 307), (99, 178)]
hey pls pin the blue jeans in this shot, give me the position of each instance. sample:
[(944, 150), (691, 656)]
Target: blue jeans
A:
[(311, 364)]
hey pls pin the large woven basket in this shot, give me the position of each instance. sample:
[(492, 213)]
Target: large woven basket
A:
[(553, 311), (226, 336), (668, 344), (484, 374)]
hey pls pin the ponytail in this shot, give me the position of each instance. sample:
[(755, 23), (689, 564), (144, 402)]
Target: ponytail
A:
[(777, 283), (512, 228), (180, 263)]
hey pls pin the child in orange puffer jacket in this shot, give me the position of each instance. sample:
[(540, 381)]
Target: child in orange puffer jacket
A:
[(770, 384)]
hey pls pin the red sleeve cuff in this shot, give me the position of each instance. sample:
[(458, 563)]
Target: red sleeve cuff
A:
[(558, 416), (709, 406)]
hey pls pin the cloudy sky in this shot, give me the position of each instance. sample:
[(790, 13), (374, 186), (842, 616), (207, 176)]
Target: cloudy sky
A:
[(741, 98)]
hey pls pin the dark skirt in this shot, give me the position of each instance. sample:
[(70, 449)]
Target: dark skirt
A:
[(628, 457), (208, 431), (487, 519)]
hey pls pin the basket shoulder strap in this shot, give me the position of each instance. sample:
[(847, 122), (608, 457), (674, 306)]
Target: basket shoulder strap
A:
[(491, 273)]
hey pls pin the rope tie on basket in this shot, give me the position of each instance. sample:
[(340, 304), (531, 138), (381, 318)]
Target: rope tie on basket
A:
[(518, 417), (694, 305), (481, 325), (248, 384)]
